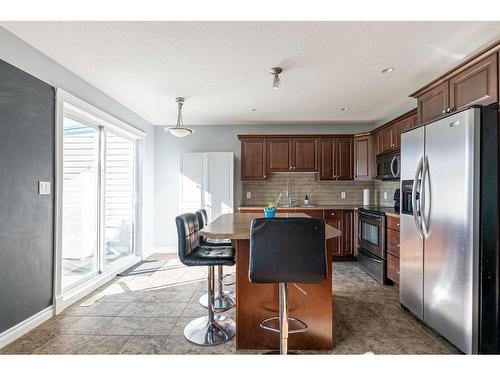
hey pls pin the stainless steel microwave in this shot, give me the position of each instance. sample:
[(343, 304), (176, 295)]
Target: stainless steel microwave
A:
[(389, 165)]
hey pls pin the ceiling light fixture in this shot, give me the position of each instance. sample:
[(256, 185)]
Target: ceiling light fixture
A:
[(387, 70), (344, 108), (276, 80), (179, 130), (254, 109)]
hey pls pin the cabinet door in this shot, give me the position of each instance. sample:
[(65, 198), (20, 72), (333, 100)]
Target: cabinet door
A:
[(253, 159), (304, 154), (362, 158), (433, 103), (334, 244), (348, 232), (476, 85), (325, 158), (388, 137), (373, 154), (343, 158), (400, 127), (278, 155)]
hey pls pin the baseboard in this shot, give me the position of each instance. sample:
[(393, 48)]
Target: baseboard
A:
[(25, 326), (165, 250)]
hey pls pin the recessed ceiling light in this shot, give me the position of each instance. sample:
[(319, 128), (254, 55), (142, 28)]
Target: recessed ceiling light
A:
[(387, 70), (344, 108), (254, 109)]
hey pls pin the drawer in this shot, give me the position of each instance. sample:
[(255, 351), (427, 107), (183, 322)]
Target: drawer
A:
[(393, 268), (313, 213), (333, 213), (392, 242), (392, 222), (251, 210)]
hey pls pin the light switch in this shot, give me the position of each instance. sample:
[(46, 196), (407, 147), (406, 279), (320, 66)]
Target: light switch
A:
[(249, 194), (44, 187), (385, 194), (342, 195)]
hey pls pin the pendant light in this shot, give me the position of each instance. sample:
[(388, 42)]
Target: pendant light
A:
[(179, 130), (276, 79)]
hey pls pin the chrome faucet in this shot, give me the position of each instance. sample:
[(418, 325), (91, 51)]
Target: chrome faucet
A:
[(289, 194)]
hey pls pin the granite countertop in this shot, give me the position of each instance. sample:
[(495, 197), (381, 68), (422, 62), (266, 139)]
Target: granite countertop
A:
[(318, 207), (237, 226), (313, 207)]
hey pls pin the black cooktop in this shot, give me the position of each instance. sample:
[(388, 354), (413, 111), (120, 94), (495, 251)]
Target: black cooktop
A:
[(379, 209)]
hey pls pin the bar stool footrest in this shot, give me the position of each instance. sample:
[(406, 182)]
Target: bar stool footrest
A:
[(290, 331), (228, 283)]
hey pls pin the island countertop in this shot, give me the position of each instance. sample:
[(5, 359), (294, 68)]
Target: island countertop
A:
[(237, 226)]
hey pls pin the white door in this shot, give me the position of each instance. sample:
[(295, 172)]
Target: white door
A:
[(220, 184), (193, 179), (206, 181)]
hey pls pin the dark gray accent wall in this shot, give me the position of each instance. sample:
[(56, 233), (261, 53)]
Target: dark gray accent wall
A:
[(27, 120)]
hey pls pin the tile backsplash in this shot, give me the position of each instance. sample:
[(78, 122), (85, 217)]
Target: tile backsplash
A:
[(319, 192)]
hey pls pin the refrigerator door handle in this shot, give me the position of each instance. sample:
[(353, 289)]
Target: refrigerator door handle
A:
[(414, 198), (425, 228)]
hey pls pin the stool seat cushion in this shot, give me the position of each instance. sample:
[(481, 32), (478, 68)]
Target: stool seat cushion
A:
[(216, 242), (210, 256)]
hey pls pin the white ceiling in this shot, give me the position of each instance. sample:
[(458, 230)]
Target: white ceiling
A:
[(222, 67)]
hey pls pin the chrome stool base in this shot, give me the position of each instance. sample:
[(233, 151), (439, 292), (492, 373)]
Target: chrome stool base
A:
[(222, 302), (203, 332)]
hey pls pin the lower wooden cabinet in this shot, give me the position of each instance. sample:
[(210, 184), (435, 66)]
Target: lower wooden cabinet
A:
[(392, 247), (393, 268), (343, 220)]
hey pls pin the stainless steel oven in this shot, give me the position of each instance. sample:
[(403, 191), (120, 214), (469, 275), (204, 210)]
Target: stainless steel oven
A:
[(389, 165), (371, 243)]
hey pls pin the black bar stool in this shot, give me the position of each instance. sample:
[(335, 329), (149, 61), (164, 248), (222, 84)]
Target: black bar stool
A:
[(287, 250), (223, 300), (212, 329)]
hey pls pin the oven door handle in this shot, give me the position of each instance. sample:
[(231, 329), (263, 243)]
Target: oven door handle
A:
[(414, 197)]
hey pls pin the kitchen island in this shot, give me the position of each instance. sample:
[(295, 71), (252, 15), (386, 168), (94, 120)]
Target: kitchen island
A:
[(256, 302)]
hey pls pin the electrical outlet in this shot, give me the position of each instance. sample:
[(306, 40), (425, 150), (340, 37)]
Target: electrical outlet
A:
[(44, 187), (249, 194), (342, 195), (385, 194)]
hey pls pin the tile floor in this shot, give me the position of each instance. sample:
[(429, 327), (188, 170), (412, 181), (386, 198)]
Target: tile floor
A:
[(146, 314)]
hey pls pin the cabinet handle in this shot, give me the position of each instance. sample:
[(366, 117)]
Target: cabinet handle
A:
[(397, 224), (444, 111), (448, 110), (398, 245)]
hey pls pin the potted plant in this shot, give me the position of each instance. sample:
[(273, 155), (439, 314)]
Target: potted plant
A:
[(270, 208)]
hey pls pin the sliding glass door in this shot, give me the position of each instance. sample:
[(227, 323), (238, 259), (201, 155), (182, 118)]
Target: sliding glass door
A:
[(80, 202), (98, 204), (119, 198)]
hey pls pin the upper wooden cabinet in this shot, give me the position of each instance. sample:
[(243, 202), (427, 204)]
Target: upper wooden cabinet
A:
[(291, 154), (362, 149), (473, 82), (325, 159), (335, 156), (304, 154), (476, 85), (432, 103), (253, 157), (388, 136), (279, 155)]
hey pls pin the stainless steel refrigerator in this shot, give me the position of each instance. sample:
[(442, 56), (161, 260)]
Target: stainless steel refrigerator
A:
[(449, 261)]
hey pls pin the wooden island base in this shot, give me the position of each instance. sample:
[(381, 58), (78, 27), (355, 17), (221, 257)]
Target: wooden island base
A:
[(256, 302)]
